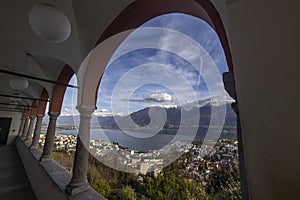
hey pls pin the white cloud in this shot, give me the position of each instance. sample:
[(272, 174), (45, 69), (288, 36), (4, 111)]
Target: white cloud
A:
[(106, 113), (66, 111), (162, 97), (156, 97), (165, 106), (102, 110)]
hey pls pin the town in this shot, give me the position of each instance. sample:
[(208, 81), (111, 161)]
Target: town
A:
[(200, 160)]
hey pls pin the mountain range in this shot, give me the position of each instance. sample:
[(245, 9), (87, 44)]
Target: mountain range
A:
[(173, 119)]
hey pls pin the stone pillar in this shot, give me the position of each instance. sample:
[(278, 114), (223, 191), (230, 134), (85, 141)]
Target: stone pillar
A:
[(48, 146), (37, 132), (30, 129), (21, 127), (25, 128), (229, 83), (79, 181)]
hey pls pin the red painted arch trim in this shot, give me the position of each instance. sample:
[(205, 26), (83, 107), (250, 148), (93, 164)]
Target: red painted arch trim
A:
[(33, 109), (59, 90), (42, 104), (142, 11), (27, 113)]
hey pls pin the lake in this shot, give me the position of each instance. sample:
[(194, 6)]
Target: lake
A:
[(140, 144)]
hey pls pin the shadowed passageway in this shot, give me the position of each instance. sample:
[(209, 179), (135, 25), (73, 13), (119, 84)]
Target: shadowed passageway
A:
[(14, 184)]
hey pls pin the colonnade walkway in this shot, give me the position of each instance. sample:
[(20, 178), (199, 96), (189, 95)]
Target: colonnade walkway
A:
[(14, 184)]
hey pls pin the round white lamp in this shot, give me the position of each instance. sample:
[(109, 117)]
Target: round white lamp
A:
[(19, 84), (49, 23)]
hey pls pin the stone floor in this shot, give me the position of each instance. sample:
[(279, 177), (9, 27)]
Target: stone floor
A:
[(14, 184)]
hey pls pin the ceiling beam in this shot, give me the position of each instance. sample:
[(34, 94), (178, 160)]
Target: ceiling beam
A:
[(11, 110), (21, 109), (18, 97), (9, 104), (36, 78)]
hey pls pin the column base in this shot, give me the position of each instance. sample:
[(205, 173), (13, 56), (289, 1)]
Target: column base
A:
[(46, 158), (27, 143), (23, 138), (34, 147), (73, 190)]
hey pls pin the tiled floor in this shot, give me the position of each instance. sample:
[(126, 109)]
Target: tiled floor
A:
[(14, 184)]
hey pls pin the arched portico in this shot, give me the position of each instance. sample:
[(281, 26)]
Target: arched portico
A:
[(42, 104), (54, 110), (26, 124), (32, 117), (129, 19), (142, 11), (59, 90), (40, 115)]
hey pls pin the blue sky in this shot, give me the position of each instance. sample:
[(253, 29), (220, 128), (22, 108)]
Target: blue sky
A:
[(163, 69)]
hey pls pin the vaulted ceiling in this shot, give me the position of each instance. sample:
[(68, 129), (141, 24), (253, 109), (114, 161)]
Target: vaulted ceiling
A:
[(88, 19)]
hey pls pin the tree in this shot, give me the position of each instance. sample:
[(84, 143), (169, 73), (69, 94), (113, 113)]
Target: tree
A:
[(127, 193), (170, 186), (231, 190), (225, 183), (194, 191), (102, 187)]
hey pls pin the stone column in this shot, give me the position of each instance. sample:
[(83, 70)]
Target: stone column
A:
[(37, 132), (79, 181), (229, 83), (48, 146), (25, 128), (21, 127), (30, 129)]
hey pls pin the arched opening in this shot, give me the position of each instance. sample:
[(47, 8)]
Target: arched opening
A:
[(43, 104), (140, 12), (163, 66), (59, 90), (54, 111), (131, 18), (65, 137)]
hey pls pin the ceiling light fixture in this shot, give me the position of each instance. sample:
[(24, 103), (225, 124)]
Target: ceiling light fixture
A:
[(18, 84), (49, 23)]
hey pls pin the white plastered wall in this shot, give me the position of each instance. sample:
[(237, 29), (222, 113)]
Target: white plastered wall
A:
[(14, 126)]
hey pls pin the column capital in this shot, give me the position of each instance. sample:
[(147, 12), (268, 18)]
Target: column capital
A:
[(86, 111), (32, 117), (229, 84), (235, 107), (40, 115), (53, 115)]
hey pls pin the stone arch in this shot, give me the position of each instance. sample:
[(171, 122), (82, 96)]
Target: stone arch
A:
[(131, 18), (42, 104), (59, 90), (27, 113), (34, 109)]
